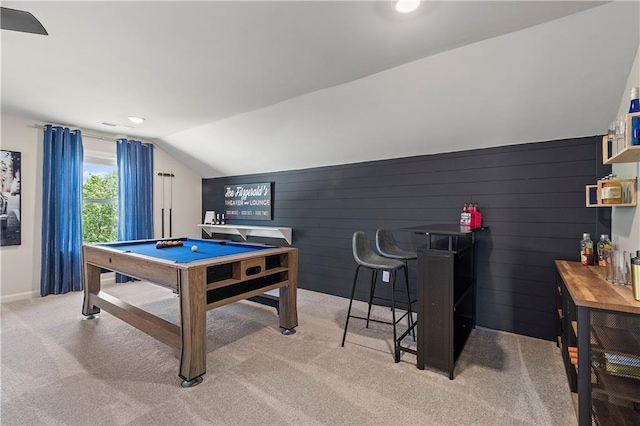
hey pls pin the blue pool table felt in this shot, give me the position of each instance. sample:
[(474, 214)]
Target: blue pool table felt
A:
[(184, 254)]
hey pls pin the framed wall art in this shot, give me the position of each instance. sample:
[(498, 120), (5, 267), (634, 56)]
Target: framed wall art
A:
[(10, 202)]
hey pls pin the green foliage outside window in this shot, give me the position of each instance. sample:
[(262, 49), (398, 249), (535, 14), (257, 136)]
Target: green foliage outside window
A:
[(100, 208)]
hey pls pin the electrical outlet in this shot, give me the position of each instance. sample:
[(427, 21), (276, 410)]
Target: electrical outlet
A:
[(385, 276)]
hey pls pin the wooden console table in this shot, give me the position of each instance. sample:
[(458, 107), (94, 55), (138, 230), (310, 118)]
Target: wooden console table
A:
[(602, 322)]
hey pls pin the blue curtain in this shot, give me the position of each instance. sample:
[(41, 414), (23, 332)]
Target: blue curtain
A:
[(135, 192), (61, 211)]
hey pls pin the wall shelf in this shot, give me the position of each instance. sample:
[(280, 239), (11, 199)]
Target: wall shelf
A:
[(246, 231), (629, 193), (628, 154)]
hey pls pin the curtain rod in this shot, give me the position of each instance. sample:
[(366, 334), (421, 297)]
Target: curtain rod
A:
[(89, 135)]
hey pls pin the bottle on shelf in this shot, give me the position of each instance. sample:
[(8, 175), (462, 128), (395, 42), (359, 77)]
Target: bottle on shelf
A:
[(635, 121), (222, 219), (465, 216), (476, 221), (218, 219), (635, 102), (604, 250), (586, 249), (611, 192)]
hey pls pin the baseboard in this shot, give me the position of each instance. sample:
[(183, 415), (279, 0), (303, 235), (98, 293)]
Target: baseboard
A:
[(107, 278), (19, 296)]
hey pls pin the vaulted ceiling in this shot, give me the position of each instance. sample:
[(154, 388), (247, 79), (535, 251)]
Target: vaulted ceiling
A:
[(245, 87)]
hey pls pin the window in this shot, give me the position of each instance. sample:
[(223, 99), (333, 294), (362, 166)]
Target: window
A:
[(100, 198)]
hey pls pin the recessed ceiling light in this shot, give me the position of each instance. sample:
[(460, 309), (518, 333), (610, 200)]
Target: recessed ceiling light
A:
[(137, 120), (407, 6)]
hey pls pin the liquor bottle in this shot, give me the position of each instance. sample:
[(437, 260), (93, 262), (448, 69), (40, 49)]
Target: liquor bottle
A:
[(604, 250), (635, 102), (222, 219), (635, 121), (465, 216), (477, 223), (218, 219), (586, 249)]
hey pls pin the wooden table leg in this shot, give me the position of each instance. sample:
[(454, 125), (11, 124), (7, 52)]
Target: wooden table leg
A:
[(91, 286), (193, 324), (288, 297)]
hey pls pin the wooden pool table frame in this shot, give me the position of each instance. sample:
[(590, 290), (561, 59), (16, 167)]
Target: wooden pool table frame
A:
[(190, 281)]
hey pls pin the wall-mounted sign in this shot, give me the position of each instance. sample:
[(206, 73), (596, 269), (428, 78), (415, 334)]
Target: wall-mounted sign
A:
[(248, 201)]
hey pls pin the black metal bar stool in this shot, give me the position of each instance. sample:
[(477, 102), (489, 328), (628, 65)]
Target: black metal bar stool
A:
[(367, 258), (387, 247)]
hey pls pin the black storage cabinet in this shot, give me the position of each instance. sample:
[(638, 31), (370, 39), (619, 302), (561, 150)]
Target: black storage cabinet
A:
[(446, 299)]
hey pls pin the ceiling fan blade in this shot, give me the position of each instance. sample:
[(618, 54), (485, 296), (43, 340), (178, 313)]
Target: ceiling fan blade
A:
[(20, 20)]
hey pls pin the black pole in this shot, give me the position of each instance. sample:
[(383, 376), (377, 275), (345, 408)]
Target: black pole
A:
[(170, 203)]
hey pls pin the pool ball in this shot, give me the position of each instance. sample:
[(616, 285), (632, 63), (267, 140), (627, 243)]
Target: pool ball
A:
[(194, 248)]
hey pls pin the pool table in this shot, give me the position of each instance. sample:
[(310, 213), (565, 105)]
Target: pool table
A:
[(217, 274)]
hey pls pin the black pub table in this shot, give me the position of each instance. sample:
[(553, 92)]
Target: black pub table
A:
[(446, 293)]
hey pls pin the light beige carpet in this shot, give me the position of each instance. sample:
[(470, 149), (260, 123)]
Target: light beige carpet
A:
[(59, 369)]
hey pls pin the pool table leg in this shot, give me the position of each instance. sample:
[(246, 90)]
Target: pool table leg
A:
[(193, 323), (91, 286), (288, 310)]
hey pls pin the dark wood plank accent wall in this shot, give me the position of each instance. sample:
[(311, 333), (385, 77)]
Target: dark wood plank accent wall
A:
[(532, 197)]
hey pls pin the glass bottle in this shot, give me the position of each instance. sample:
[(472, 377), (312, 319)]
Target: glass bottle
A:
[(604, 250), (465, 216), (635, 121), (586, 249), (635, 103), (478, 217), (472, 215)]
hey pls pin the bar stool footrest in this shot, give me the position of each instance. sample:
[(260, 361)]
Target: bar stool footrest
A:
[(380, 321), (398, 302), (402, 336)]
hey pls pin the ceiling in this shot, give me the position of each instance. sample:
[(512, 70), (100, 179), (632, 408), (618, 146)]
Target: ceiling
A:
[(213, 76)]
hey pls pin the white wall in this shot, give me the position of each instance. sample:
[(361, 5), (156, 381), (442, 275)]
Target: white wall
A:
[(187, 197), (20, 265), (625, 221)]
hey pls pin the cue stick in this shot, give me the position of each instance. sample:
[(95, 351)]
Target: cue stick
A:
[(170, 202), (162, 177)]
